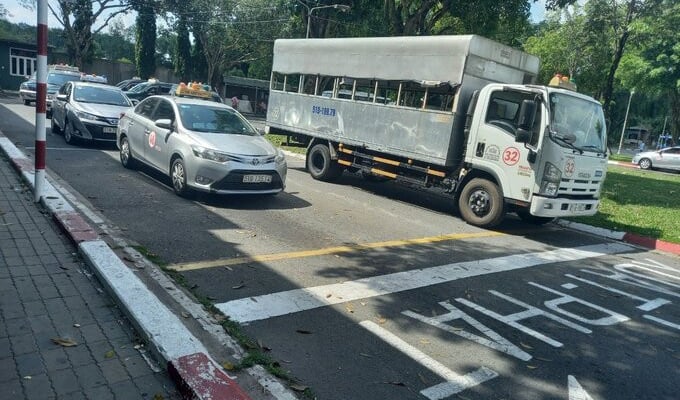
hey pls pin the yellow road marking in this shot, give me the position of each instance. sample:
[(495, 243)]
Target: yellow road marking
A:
[(326, 251)]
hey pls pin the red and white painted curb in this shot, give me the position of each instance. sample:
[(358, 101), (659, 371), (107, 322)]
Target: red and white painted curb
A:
[(195, 373)]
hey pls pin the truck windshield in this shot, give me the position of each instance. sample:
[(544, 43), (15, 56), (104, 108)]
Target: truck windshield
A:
[(576, 122)]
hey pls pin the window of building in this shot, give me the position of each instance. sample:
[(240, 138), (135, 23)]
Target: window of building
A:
[(21, 62)]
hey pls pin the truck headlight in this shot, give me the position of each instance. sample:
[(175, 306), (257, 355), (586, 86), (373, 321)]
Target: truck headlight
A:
[(210, 154), (550, 183)]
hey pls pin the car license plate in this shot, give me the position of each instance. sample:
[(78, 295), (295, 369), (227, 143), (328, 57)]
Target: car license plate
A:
[(257, 178), (109, 130), (578, 207)]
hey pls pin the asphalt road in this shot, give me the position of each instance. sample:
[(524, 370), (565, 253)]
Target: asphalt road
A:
[(376, 291)]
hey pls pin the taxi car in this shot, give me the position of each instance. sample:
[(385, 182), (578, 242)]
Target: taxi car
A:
[(86, 110), (201, 145), (57, 75)]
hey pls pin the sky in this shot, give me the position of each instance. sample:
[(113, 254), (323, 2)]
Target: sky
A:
[(18, 14)]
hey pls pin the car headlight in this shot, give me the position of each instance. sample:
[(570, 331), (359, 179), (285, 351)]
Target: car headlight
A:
[(84, 115), (550, 183), (210, 154), (280, 157)]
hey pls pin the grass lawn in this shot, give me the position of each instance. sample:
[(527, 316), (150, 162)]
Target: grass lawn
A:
[(642, 202), (620, 157)]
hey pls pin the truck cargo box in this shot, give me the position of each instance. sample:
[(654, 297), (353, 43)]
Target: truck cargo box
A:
[(458, 65)]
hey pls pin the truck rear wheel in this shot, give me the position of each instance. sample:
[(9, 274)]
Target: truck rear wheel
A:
[(320, 165), (481, 203)]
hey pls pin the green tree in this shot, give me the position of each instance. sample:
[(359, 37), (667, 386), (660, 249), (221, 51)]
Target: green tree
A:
[(78, 18), (651, 66), (145, 38)]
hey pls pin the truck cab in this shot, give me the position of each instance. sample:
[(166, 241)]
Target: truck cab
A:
[(544, 146)]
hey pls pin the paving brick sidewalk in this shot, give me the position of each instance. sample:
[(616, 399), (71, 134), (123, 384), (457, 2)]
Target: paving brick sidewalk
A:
[(47, 292)]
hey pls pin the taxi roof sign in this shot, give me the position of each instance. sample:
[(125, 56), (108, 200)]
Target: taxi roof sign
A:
[(192, 90), (64, 67), (562, 81)]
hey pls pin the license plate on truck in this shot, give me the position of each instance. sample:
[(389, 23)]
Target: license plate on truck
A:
[(257, 178), (578, 207)]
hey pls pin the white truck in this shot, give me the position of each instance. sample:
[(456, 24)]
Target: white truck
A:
[(460, 113)]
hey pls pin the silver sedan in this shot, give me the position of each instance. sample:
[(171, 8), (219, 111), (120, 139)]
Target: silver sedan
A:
[(201, 145), (668, 158)]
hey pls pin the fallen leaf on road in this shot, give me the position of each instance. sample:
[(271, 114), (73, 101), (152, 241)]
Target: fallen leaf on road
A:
[(543, 359), (239, 286), (365, 355), (109, 354), (304, 332), (228, 366), (185, 314), (526, 346), (28, 377), (65, 342), (396, 383), (76, 325), (532, 366), (328, 295), (299, 388)]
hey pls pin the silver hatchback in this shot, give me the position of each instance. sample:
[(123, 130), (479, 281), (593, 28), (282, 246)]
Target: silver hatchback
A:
[(201, 145)]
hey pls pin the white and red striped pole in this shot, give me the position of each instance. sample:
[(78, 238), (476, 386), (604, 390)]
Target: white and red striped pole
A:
[(41, 101)]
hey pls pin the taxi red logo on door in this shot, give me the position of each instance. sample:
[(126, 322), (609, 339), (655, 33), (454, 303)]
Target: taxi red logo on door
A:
[(511, 156), (152, 139)]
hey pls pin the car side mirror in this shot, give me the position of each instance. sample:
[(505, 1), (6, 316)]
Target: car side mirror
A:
[(527, 114), (164, 123), (62, 97)]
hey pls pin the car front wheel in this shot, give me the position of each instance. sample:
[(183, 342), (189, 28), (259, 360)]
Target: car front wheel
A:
[(68, 133), (54, 126), (645, 163), (178, 174)]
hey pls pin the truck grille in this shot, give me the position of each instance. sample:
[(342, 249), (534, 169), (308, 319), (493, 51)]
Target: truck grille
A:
[(579, 187)]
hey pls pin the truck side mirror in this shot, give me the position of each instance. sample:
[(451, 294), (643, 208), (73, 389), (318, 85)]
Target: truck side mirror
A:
[(527, 114)]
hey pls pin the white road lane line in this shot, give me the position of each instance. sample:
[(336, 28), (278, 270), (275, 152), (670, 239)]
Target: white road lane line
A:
[(257, 308), (576, 392), (455, 383)]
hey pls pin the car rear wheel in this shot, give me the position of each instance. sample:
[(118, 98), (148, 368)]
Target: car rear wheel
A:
[(178, 174), (68, 133), (125, 154), (645, 163)]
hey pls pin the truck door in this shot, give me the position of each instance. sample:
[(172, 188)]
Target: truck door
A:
[(494, 148)]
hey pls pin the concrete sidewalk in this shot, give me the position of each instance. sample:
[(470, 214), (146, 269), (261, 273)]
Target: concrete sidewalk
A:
[(180, 351)]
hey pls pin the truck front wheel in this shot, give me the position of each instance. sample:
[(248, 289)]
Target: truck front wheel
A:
[(320, 165), (481, 203)]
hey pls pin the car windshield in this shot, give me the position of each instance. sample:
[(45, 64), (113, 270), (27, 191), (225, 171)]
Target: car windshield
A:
[(577, 122), (138, 87), (204, 118), (57, 79), (100, 95)]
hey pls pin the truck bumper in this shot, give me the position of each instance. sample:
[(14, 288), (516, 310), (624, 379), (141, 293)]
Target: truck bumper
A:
[(561, 207)]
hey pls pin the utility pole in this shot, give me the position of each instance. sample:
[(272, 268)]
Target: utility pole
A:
[(625, 120)]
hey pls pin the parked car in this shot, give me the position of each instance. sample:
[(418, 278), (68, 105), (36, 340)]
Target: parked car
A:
[(127, 84), (202, 145), (57, 75), (668, 158), (148, 88), (90, 111)]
